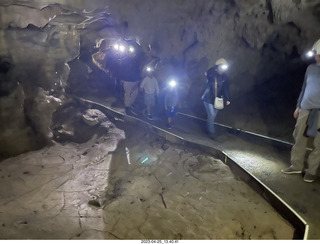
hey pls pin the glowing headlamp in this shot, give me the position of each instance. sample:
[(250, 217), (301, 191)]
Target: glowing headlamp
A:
[(224, 67), (172, 83), (131, 49), (149, 69), (310, 54), (120, 48)]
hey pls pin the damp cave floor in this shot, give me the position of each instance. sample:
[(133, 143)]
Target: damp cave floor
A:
[(261, 157)]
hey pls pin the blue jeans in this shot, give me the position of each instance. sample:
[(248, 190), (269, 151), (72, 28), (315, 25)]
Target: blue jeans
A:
[(211, 116)]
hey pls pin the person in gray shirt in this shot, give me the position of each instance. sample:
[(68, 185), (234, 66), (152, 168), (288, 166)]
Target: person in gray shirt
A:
[(308, 122)]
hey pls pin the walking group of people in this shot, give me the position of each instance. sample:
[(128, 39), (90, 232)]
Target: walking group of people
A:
[(216, 96), (307, 114), (217, 86), (150, 87)]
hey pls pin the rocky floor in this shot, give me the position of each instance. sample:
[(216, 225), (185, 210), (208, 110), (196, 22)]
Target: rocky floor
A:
[(129, 184)]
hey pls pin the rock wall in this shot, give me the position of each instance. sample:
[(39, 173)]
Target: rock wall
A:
[(35, 53), (38, 41), (237, 30)]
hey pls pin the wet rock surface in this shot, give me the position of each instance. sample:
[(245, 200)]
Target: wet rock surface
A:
[(169, 191), (129, 184), (48, 194)]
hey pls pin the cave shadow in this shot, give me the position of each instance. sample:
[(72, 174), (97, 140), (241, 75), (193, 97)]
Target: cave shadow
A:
[(276, 99)]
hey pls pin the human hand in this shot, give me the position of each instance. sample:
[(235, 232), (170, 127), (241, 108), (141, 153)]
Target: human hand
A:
[(296, 113), (228, 103)]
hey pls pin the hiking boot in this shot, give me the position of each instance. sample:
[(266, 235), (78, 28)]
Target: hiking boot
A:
[(169, 126), (291, 170), (149, 117), (309, 178)]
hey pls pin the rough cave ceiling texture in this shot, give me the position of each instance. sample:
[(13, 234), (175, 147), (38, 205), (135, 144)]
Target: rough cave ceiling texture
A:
[(40, 39)]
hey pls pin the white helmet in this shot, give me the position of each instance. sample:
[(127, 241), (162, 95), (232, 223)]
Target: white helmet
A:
[(316, 48), (222, 64), (221, 61)]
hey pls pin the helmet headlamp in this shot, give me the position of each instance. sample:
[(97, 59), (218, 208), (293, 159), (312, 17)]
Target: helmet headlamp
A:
[(172, 83), (131, 49), (224, 66), (119, 47), (149, 69), (310, 54)]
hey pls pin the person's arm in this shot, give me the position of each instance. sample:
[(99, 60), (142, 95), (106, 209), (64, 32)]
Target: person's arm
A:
[(296, 111), (226, 91), (302, 91), (143, 82)]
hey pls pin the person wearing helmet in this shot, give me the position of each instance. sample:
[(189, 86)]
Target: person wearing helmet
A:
[(150, 87), (217, 86), (171, 102), (308, 122)]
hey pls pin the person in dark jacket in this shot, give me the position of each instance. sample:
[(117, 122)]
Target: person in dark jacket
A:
[(217, 86)]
